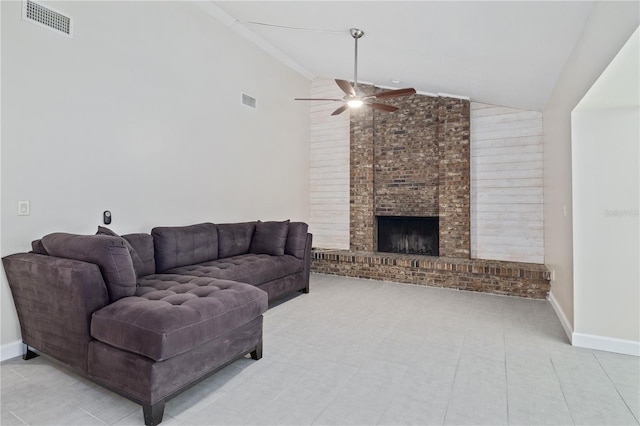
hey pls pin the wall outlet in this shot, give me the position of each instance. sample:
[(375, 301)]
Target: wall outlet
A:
[(23, 208), (553, 275)]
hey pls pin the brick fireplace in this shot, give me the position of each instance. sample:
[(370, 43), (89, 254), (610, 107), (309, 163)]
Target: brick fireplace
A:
[(415, 163)]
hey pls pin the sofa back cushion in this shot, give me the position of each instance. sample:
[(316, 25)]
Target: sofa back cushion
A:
[(297, 239), (143, 245), (137, 262), (270, 238), (109, 253), (234, 238), (176, 246)]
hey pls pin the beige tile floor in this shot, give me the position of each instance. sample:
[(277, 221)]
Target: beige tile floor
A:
[(367, 352)]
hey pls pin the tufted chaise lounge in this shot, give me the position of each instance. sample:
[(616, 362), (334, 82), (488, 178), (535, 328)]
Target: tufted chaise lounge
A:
[(147, 316)]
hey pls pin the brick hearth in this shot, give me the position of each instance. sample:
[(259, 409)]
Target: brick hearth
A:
[(489, 276)]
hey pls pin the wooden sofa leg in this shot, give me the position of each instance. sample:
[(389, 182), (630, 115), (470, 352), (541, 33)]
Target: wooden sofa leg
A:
[(257, 352), (153, 413), (28, 353)]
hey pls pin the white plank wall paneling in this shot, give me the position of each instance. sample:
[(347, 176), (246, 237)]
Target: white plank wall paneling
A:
[(329, 174), (506, 184)]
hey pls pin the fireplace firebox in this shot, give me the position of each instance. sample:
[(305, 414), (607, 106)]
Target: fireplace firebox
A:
[(408, 234)]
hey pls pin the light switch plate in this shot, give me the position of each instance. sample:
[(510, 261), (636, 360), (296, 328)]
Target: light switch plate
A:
[(23, 208)]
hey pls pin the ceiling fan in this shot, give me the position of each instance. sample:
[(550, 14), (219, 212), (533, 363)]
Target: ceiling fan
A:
[(353, 97)]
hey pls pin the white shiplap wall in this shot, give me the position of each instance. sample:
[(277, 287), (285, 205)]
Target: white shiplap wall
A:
[(329, 174), (506, 184)]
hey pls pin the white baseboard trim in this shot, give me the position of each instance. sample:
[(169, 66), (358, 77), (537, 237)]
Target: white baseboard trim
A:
[(568, 329), (609, 344), (11, 350), (590, 341)]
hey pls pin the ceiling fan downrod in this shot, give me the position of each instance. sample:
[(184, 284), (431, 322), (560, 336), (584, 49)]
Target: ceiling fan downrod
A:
[(356, 34)]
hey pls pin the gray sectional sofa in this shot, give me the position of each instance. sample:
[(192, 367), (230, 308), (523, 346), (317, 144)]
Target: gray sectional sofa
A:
[(149, 315)]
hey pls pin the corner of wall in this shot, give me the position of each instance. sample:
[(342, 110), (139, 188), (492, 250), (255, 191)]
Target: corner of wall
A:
[(10, 350), (564, 321), (608, 344), (607, 28)]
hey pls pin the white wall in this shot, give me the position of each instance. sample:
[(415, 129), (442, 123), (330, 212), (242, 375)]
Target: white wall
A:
[(606, 178), (330, 173), (607, 29), (139, 113), (506, 184), (606, 201)]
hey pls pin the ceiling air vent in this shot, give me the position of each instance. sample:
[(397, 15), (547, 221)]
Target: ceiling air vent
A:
[(46, 17), (248, 101)]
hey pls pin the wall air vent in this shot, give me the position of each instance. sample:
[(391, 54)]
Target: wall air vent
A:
[(46, 17), (249, 101)]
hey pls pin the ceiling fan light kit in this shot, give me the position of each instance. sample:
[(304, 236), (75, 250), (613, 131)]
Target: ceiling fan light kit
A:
[(353, 97)]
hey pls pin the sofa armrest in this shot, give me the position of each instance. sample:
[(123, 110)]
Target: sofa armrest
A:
[(54, 299), (307, 262)]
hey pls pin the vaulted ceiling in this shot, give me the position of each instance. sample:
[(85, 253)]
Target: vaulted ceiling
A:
[(504, 53)]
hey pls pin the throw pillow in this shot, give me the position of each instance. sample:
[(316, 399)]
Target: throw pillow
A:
[(270, 238), (138, 265), (297, 239), (109, 253), (142, 243), (38, 248)]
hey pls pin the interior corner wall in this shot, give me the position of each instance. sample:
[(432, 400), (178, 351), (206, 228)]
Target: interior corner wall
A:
[(609, 26), (139, 113)]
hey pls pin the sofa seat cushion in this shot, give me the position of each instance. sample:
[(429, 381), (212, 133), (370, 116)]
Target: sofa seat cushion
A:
[(172, 314), (254, 269)]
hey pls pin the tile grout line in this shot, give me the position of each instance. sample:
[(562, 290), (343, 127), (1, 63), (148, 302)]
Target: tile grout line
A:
[(123, 417), (615, 387), (98, 419), (453, 382), (18, 417), (562, 390), (506, 376), (391, 399), (15, 372), (386, 408), (333, 398)]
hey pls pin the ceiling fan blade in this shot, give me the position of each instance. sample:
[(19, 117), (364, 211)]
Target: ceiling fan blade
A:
[(346, 87), (383, 107), (395, 93), (340, 110), (317, 99)]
